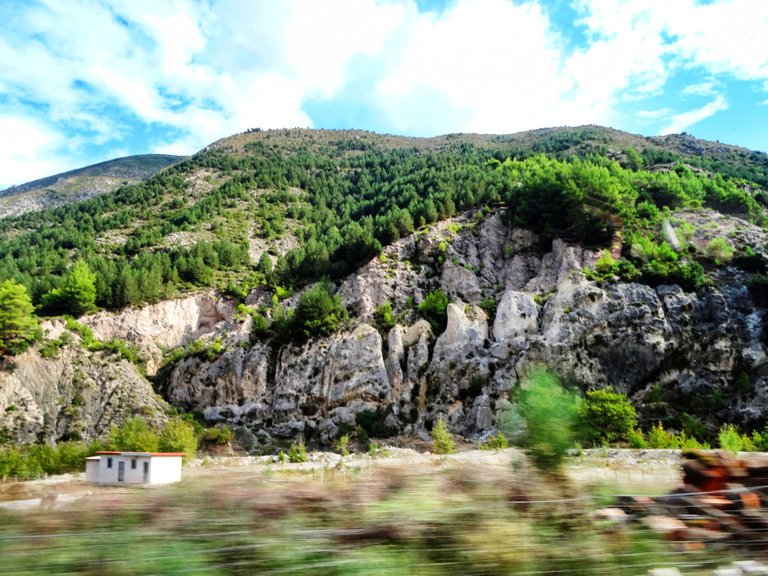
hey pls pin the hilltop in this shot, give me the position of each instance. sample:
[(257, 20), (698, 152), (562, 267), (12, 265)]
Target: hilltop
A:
[(81, 183), (307, 283)]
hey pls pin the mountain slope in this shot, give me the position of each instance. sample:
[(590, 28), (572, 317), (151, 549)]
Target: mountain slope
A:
[(615, 259), (81, 183)]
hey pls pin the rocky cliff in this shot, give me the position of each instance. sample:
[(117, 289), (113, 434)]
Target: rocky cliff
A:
[(672, 351), (665, 347), (74, 394)]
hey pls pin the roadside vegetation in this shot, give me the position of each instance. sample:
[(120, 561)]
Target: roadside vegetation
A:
[(444, 520), (178, 434)]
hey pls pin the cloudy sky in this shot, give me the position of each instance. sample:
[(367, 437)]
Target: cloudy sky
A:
[(82, 81)]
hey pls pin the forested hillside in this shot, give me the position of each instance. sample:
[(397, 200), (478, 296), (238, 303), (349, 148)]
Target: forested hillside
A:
[(340, 197), (304, 283)]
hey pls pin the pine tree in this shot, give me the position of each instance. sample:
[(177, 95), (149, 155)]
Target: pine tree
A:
[(79, 292), (18, 324)]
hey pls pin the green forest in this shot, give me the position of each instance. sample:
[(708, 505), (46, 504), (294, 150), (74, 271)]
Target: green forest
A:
[(344, 200)]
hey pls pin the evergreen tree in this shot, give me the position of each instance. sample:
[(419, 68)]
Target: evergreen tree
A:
[(318, 313), (80, 289), (265, 264), (78, 294), (18, 324)]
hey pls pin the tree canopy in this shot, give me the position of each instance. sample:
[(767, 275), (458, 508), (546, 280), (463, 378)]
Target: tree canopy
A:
[(342, 201), (18, 324)]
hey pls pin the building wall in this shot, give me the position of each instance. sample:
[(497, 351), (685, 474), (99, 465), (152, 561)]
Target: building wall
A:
[(160, 469), (132, 473), (92, 469), (165, 469)]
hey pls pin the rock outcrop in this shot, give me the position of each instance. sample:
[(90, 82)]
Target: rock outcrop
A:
[(75, 395), (512, 307), (165, 325)]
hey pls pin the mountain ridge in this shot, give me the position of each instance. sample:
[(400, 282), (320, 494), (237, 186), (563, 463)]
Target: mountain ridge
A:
[(81, 183)]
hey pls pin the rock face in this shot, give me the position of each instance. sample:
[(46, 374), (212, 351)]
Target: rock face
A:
[(517, 314), (672, 351), (660, 345), (163, 325), (76, 395)]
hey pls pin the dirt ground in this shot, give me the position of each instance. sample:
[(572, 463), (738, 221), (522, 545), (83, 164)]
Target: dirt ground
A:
[(630, 471)]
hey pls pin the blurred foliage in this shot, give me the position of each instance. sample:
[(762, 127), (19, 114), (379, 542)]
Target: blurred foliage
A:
[(496, 442), (35, 460), (137, 435), (452, 520), (550, 413)]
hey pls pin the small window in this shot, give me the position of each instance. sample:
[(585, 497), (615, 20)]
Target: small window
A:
[(133, 463), (109, 462)]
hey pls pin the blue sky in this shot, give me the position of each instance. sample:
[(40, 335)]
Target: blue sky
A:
[(82, 81)]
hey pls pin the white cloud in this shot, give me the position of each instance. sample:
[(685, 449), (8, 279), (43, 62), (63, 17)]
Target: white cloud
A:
[(654, 114), (99, 71), (28, 150), (724, 37), (700, 89), (681, 122), (490, 66)]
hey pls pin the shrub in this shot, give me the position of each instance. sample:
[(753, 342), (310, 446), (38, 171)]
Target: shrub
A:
[(342, 445), (434, 310), (636, 439), (178, 436), (605, 268), (383, 317), (496, 442), (259, 325), (685, 442), (488, 305), (660, 438), (760, 441), (50, 348), (443, 441), (220, 436), (719, 250), (134, 435), (549, 412), (375, 451), (606, 417), (31, 461), (297, 453), (200, 349), (730, 439)]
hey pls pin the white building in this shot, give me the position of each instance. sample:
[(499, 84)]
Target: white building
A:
[(133, 467)]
